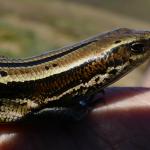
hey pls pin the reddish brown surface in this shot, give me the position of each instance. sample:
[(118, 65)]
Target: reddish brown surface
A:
[(123, 122)]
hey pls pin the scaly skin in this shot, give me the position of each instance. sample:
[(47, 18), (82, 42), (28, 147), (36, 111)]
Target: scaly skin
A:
[(64, 81)]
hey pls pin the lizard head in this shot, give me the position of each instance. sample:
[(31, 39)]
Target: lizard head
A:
[(135, 44), (122, 50), (126, 46)]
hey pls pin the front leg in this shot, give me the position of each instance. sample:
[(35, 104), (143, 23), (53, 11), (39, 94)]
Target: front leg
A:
[(74, 108)]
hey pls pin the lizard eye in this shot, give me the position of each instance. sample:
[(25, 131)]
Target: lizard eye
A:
[(137, 47)]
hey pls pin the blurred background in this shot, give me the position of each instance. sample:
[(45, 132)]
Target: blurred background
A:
[(30, 27)]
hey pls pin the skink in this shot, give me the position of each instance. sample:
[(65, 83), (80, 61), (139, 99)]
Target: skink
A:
[(64, 81)]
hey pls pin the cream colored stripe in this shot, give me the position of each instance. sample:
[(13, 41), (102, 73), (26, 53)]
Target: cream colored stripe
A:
[(65, 63)]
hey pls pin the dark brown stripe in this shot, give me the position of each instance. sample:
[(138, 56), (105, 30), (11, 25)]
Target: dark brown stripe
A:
[(47, 59), (56, 84), (50, 86)]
